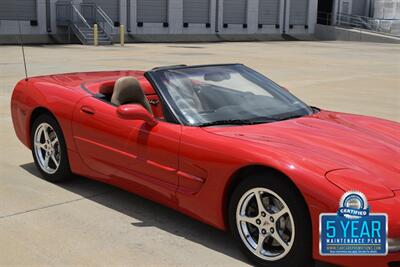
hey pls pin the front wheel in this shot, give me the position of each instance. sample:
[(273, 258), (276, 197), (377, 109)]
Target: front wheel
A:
[(269, 218), (49, 149)]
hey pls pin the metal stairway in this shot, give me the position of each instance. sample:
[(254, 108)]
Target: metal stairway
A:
[(86, 35), (80, 20)]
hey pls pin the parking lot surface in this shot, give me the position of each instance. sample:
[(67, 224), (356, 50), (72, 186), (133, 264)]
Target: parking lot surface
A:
[(83, 222)]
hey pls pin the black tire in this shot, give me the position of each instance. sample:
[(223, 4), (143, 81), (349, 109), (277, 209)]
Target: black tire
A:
[(300, 253), (63, 172)]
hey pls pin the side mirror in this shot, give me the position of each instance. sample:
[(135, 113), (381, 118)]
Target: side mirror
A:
[(136, 112)]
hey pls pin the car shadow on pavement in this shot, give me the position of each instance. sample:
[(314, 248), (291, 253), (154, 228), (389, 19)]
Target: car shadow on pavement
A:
[(146, 213)]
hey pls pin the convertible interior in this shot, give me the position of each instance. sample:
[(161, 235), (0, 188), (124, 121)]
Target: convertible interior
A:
[(200, 100), (128, 90)]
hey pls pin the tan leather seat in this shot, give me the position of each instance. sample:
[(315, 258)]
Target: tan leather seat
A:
[(127, 90)]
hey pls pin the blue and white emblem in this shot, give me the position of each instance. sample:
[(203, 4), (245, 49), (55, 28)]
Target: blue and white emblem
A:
[(353, 205), (353, 230)]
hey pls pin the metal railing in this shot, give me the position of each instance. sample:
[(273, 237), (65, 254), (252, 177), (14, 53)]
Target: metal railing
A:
[(80, 25), (81, 18), (362, 23), (385, 26), (105, 22), (354, 21)]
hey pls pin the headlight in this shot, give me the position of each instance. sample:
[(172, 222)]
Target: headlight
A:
[(350, 180), (394, 245)]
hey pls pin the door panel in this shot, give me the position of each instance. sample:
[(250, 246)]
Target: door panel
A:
[(269, 11), (196, 11), (126, 149), (298, 12), (18, 10), (152, 11), (235, 11)]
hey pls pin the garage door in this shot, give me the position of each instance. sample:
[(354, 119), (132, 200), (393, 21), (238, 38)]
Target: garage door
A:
[(359, 7), (18, 10), (268, 12), (152, 11), (298, 12), (235, 11), (196, 11), (111, 7)]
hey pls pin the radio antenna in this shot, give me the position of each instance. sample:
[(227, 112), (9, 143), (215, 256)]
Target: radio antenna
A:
[(23, 49)]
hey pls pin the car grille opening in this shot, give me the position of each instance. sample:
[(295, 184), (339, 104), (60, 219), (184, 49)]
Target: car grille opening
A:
[(394, 264)]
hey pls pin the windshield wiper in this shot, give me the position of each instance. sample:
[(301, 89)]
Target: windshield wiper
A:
[(226, 122), (238, 122)]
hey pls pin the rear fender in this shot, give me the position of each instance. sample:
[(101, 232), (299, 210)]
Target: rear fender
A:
[(31, 95)]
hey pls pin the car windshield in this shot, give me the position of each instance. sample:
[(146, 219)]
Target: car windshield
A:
[(226, 95)]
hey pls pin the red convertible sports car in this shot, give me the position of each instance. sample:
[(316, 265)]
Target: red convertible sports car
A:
[(220, 143)]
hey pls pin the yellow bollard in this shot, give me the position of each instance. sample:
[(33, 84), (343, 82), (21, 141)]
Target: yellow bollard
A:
[(122, 34), (95, 35)]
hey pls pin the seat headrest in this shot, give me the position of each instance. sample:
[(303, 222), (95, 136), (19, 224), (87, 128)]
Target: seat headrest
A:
[(107, 87), (127, 90)]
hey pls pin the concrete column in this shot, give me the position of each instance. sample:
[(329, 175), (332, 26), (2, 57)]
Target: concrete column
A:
[(53, 13), (220, 15), (175, 16), (335, 11), (282, 16), (41, 16), (122, 12), (48, 15), (287, 15), (252, 16), (128, 16), (133, 16), (312, 15), (213, 10)]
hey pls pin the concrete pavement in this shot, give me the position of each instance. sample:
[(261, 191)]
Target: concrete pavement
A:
[(87, 223)]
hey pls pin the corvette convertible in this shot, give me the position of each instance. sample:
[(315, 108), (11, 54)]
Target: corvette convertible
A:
[(220, 143)]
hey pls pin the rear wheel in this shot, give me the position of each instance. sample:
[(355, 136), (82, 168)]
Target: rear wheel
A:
[(269, 218), (49, 150)]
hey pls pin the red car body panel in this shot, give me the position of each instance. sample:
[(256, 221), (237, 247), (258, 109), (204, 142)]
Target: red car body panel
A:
[(191, 169)]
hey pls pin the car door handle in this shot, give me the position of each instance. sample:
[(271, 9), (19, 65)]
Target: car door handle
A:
[(88, 110)]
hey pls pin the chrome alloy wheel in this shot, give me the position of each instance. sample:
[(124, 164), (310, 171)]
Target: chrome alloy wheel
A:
[(265, 224), (47, 148)]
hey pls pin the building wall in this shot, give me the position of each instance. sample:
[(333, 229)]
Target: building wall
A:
[(12, 26), (387, 9), (380, 9), (356, 7), (128, 17)]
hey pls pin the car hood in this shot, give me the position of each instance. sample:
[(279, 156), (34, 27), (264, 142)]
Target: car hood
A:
[(347, 141)]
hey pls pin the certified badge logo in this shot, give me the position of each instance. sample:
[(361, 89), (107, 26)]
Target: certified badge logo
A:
[(353, 205), (353, 230)]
